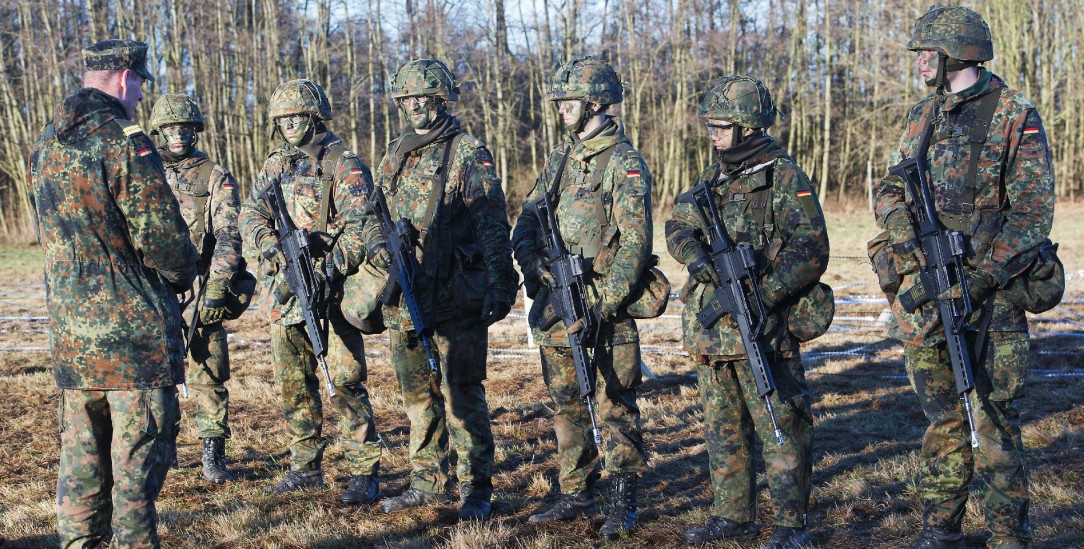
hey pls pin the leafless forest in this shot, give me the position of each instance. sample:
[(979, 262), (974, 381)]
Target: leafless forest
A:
[(838, 68)]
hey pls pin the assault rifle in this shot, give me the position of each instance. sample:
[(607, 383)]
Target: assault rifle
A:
[(312, 292), (945, 267), (399, 237), (569, 299), (737, 294)]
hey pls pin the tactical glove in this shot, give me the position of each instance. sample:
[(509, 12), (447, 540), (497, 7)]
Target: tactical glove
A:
[(320, 244), (214, 304), (703, 271), (606, 310), (535, 276), (378, 256), (273, 254), (904, 242), (982, 287), (494, 308)]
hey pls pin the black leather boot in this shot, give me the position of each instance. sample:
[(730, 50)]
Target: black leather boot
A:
[(622, 514), (214, 460), (568, 507)]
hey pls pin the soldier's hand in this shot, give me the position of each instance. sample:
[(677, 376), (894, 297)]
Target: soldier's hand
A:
[(273, 254), (214, 304), (320, 244), (703, 271), (494, 308), (982, 287), (904, 242), (535, 276), (378, 256), (606, 310)]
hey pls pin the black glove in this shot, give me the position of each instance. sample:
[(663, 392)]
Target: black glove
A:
[(320, 244), (703, 271), (378, 256), (494, 308), (535, 276)]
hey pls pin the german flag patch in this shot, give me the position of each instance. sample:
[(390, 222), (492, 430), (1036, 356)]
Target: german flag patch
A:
[(632, 173), (487, 162), (145, 151), (227, 185), (356, 171), (804, 192), (1030, 130)]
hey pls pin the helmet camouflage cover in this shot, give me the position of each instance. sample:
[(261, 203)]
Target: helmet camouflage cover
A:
[(424, 77), (957, 32), (300, 97), (175, 108), (586, 78), (743, 100)]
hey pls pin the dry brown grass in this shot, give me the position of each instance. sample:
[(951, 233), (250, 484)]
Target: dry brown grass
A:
[(868, 431)]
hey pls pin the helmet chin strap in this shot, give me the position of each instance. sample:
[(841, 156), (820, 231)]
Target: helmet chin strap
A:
[(939, 79), (438, 119)]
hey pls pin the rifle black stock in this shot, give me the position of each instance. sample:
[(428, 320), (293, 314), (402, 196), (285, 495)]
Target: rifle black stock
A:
[(399, 240), (569, 299), (735, 269), (310, 291), (943, 250)]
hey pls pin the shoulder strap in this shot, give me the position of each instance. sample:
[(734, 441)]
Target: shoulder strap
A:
[(328, 164), (202, 194), (977, 135)]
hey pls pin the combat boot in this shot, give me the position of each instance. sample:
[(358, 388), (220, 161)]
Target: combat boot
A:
[(622, 514), (785, 537), (719, 528), (413, 497), (214, 460), (568, 507), (295, 480), (936, 538), (474, 507), (363, 489)]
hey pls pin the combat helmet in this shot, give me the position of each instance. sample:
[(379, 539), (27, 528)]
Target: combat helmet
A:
[(586, 78), (424, 77), (300, 97), (175, 108), (959, 33), (743, 100)]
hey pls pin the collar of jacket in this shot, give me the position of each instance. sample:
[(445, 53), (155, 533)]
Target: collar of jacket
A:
[(192, 160), (83, 112), (767, 151), (611, 133), (986, 83)]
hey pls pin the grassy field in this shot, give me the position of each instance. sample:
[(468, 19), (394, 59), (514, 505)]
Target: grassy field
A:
[(868, 431)]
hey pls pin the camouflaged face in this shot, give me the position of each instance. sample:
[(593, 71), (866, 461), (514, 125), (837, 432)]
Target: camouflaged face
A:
[(949, 462), (957, 32), (743, 100), (113, 55), (300, 97), (424, 77), (1013, 169), (175, 108), (586, 78)]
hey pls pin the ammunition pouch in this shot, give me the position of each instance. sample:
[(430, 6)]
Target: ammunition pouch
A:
[(650, 294), (241, 289), (811, 312), (1041, 286)]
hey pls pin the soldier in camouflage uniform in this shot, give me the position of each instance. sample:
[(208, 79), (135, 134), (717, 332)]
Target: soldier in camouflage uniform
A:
[(767, 203), (117, 252), (991, 179), (207, 194), (602, 205), (323, 185), (443, 182)]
